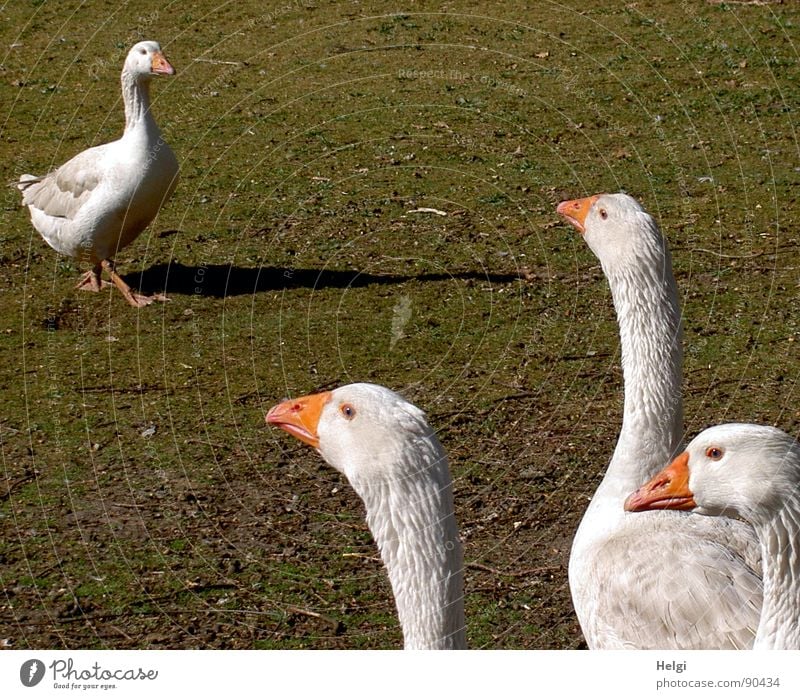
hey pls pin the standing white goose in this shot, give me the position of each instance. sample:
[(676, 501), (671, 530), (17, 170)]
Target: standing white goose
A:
[(708, 590), (99, 201), (751, 472), (384, 447)]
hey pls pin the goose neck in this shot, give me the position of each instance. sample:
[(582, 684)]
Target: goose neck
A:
[(136, 96), (413, 522), (646, 302), (779, 628)]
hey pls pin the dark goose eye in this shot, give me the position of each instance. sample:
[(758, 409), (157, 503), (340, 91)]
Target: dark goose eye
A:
[(603, 214), (714, 453), (348, 411)]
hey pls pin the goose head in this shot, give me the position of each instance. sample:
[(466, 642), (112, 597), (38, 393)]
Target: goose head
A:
[(393, 460), (364, 431), (146, 59), (738, 470), (616, 228)]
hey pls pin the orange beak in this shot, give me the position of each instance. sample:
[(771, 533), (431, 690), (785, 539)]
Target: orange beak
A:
[(160, 65), (300, 417), (667, 490), (576, 210)]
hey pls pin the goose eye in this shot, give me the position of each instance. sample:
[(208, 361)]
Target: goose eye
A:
[(142, 51), (348, 411), (603, 214), (714, 453)]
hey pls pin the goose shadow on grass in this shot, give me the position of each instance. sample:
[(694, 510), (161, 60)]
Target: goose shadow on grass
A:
[(219, 281)]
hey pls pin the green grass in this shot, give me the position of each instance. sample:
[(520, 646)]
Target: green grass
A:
[(307, 136)]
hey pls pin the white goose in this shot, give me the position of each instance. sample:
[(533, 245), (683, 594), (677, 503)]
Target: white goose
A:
[(99, 201), (751, 472), (384, 447), (708, 590)]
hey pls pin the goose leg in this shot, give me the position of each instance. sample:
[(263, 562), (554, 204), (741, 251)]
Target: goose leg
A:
[(91, 280), (132, 297)]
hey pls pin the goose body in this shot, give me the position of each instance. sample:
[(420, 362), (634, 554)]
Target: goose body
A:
[(391, 457), (99, 201), (712, 599), (751, 472)]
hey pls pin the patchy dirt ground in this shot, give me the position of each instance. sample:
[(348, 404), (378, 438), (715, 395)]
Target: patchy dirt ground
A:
[(144, 503)]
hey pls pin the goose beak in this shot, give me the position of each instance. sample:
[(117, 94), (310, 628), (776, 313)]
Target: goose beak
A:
[(300, 416), (160, 65), (576, 210), (667, 490)]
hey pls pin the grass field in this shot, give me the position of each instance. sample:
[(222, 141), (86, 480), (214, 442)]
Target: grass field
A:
[(143, 501)]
